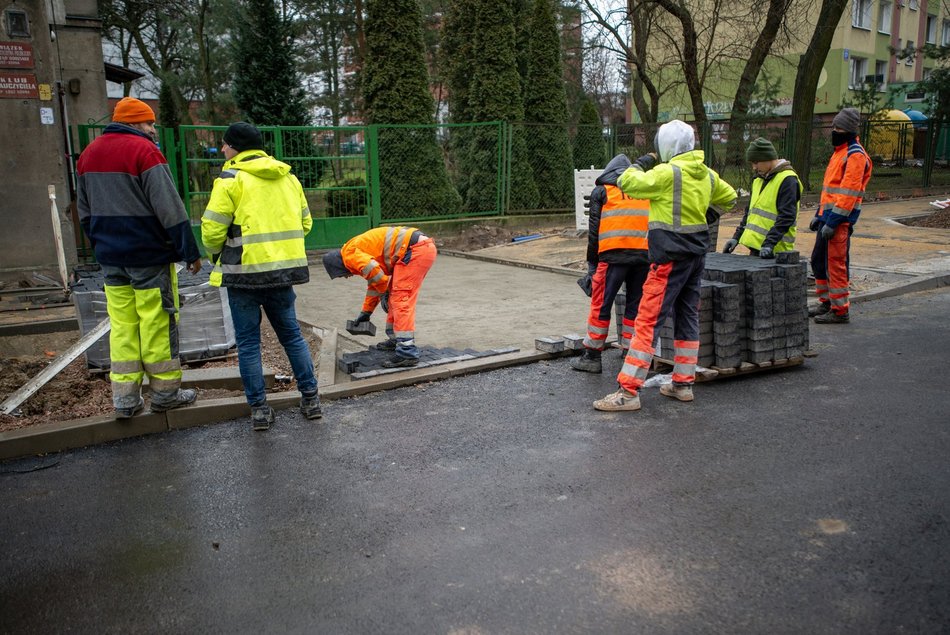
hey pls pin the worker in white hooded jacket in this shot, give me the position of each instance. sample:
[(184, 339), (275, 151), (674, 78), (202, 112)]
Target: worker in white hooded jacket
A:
[(681, 191)]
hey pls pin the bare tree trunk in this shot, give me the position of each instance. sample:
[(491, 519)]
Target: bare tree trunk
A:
[(806, 85), (690, 58), (750, 73)]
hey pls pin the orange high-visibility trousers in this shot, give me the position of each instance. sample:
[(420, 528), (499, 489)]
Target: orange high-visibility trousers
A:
[(404, 289), (830, 262)]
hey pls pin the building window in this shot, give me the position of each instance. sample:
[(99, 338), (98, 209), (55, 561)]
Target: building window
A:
[(859, 68), (945, 40), (861, 14), (931, 29), (880, 75), (911, 51), (914, 5), (18, 25), (884, 18)]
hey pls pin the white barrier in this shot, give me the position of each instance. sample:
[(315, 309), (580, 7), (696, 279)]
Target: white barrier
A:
[(584, 182)]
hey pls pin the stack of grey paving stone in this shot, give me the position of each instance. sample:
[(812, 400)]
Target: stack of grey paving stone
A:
[(751, 310), (205, 329)]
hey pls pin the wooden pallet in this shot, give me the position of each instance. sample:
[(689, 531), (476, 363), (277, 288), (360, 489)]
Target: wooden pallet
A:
[(746, 368)]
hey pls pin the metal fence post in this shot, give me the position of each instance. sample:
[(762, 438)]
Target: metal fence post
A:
[(372, 164)]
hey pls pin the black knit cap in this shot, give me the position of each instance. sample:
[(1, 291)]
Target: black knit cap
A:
[(243, 136), (760, 150)]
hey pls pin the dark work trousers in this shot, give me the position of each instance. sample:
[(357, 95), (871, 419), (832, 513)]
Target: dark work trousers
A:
[(606, 283), (831, 264)]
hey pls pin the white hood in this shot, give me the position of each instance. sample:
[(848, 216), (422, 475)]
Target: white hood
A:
[(673, 138)]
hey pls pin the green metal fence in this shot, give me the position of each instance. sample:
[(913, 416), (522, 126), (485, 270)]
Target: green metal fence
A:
[(358, 177)]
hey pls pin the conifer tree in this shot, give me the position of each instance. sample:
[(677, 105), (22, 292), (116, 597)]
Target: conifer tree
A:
[(266, 86), (455, 50), (589, 147), (413, 178), (545, 103), (496, 96)]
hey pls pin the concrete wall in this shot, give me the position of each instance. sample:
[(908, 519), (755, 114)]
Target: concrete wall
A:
[(68, 68)]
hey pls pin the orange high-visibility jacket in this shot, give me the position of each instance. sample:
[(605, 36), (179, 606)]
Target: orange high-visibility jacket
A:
[(373, 255), (623, 221), (846, 178)]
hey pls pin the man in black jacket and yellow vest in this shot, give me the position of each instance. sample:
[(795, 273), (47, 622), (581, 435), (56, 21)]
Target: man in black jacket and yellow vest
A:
[(616, 254), (253, 229), (770, 221)]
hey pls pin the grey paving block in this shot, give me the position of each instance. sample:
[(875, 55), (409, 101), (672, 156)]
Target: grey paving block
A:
[(549, 344)]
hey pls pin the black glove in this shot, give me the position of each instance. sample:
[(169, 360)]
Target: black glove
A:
[(646, 162), (827, 232), (362, 317), (766, 252), (384, 302), (815, 224), (586, 285), (730, 246)]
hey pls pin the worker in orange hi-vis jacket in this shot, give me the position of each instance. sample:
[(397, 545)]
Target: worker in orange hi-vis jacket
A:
[(846, 179), (394, 261)]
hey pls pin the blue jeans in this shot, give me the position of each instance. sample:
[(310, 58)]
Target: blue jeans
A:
[(278, 305)]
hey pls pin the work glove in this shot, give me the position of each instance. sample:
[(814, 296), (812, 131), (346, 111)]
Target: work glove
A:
[(827, 232), (730, 246), (586, 284), (815, 224), (646, 162), (766, 252), (362, 317), (384, 302)]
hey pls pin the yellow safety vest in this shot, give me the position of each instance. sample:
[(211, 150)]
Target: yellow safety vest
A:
[(763, 212)]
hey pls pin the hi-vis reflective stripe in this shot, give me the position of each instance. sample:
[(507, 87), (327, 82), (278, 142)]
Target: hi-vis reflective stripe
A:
[(375, 294), (391, 247), (305, 212), (126, 368), (253, 239), (167, 366), (758, 211), (125, 388), (216, 217), (840, 211), (842, 190), (677, 225), (636, 364), (163, 385), (372, 264), (619, 233), (406, 337), (264, 266)]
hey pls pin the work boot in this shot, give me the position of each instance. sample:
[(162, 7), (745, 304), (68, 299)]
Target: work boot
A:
[(588, 361), (398, 361), (620, 400), (310, 406), (128, 413), (262, 417), (184, 397), (388, 345), (833, 318), (821, 309), (682, 392)]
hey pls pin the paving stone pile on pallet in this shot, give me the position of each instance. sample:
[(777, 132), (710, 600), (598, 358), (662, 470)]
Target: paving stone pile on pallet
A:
[(751, 310), (205, 330)]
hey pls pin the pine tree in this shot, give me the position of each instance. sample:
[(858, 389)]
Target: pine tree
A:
[(266, 86), (413, 179), (545, 104), (496, 96), (589, 147)]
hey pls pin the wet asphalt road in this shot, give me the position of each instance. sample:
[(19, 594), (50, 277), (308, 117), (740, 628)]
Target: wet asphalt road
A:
[(812, 500)]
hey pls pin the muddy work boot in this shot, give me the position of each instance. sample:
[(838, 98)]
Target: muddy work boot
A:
[(682, 392), (821, 309), (310, 406), (185, 396), (398, 361), (588, 361), (833, 318), (620, 400), (262, 417), (128, 413), (387, 345)]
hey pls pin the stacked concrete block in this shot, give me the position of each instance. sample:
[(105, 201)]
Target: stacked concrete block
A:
[(773, 318), (727, 318)]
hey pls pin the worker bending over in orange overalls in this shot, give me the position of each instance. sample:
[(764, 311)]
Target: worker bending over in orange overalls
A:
[(394, 261)]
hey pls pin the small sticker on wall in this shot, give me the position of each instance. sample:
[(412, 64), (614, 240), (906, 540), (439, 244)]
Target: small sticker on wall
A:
[(46, 116)]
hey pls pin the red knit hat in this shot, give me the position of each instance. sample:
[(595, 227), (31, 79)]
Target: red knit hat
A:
[(132, 110)]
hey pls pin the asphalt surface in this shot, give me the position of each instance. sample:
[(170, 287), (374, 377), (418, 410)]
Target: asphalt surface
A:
[(810, 500)]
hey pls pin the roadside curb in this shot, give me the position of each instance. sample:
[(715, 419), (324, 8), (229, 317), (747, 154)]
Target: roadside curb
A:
[(65, 435), (901, 287)]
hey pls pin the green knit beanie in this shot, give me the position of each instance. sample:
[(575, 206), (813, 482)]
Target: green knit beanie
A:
[(760, 150)]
